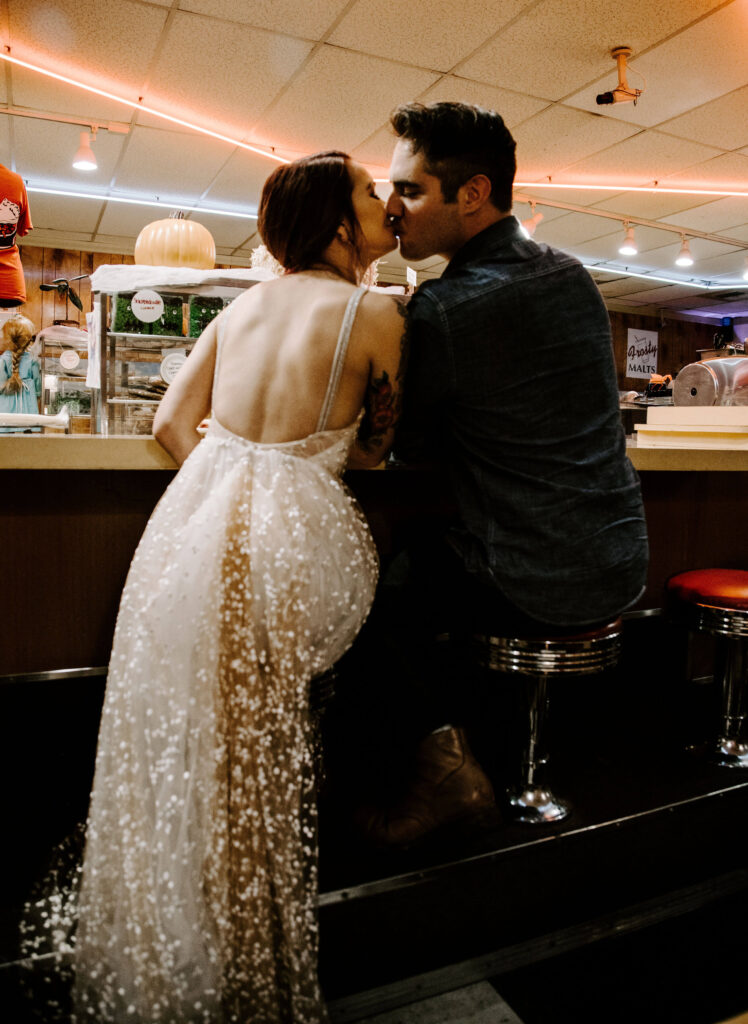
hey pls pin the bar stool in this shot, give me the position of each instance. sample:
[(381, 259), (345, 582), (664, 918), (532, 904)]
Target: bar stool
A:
[(539, 659), (715, 601)]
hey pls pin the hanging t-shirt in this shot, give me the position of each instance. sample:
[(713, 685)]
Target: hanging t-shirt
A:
[(15, 221)]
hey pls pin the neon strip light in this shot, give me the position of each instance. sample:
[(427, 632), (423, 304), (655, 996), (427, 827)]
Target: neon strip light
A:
[(702, 287), (143, 107), (635, 188), (187, 207)]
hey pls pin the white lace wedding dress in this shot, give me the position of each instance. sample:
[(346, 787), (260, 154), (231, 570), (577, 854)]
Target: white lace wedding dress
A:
[(198, 898)]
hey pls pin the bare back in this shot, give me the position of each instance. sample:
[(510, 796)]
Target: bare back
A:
[(276, 357)]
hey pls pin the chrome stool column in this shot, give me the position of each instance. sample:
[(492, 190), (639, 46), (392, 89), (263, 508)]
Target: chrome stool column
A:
[(715, 601), (539, 659)]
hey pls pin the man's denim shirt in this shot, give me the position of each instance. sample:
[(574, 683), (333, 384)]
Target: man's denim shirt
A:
[(511, 384)]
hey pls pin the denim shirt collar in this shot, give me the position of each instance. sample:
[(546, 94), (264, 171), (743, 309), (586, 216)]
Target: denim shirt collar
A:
[(485, 242)]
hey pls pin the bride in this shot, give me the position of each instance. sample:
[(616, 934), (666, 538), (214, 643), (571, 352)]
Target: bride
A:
[(254, 574)]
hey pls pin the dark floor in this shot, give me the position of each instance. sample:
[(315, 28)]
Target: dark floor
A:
[(649, 865)]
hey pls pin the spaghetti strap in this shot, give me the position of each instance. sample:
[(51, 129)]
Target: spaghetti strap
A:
[(219, 346), (339, 358)]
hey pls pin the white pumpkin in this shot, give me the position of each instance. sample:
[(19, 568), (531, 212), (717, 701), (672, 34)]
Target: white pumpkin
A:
[(176, 242)]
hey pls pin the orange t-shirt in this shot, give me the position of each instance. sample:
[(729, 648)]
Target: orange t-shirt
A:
[(15, 221)]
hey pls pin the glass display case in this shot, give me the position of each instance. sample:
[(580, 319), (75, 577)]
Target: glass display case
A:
[(63, 356), (147, 319)]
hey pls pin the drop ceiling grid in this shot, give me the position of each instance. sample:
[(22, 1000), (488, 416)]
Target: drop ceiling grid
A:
[(435, 35), (239, 182), (240, 89), (514, 107), (307, 20), (559, 46), (559, 136), (170, 164), (77, 215), (38, 92), (727, 171), (642, 159), (721, 122), (339, 99), (112, 42), (715, 217)]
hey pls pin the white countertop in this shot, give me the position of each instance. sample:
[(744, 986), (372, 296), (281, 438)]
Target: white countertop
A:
[(84, 451)]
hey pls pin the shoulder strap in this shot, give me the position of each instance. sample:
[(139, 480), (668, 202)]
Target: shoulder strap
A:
[(339, 358), (219, 345)]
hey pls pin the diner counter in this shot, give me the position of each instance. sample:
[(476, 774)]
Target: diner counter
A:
[(75, 506), (127, 452)]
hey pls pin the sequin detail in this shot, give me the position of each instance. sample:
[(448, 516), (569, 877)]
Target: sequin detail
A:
[(198, 896)]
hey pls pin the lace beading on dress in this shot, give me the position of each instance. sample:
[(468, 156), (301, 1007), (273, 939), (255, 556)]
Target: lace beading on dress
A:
[(198, 900)]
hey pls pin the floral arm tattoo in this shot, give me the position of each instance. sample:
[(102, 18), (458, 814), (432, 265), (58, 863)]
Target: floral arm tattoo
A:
[(384, 397)]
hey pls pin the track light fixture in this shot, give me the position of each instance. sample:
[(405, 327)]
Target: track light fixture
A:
[(622, 92), (84, 159), (628, 246), (684, 257), (532, 222)]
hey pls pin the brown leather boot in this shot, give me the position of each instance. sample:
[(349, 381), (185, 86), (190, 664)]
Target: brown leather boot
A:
[(449, 785)]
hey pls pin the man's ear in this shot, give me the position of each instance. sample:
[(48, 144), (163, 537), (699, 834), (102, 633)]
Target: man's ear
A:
[(474, 194)]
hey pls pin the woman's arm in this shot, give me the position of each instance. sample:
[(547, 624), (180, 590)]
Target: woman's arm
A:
[(383, 399), (188, 400)]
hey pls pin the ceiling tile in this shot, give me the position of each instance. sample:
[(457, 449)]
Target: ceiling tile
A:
[(228, 232), (559, 45), (169, 164), (728, 171), (239, 182), (565, 232), (240, 87), (649, 205), (37, 92), (513, 106), (640, 160), (338, 100), (434, 35), (559, 136), (721, 123), (79, 215), (716, 216), (310, 20), (109, 44)]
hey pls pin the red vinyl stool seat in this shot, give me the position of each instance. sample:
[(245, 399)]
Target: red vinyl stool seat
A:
[(539, 657), (715, 601)]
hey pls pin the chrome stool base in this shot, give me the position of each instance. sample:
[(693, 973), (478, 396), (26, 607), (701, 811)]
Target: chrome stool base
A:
[(536, 806), (730, 754), (538, 660), (713, 601)]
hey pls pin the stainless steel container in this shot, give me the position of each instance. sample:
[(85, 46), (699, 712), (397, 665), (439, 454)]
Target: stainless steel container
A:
[(713, 382)]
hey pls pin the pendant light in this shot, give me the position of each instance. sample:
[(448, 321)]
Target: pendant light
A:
[(684, 257), (628, 246), (84, 159)]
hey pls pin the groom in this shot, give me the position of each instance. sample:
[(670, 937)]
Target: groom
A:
[(511, 390)]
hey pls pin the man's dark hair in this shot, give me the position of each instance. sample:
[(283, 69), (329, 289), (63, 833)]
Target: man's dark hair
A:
[(302, 206), (458, 141)]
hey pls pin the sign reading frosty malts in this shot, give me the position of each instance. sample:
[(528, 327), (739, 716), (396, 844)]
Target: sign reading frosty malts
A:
[(147, 305), (641, 353)]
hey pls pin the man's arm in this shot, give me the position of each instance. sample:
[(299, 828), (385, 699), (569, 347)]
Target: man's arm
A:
[(428, 384)]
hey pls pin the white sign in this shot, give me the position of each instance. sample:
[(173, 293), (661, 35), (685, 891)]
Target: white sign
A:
[(147, 306), (171, 363), (641, 353), (411, 276), (69, 359)]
